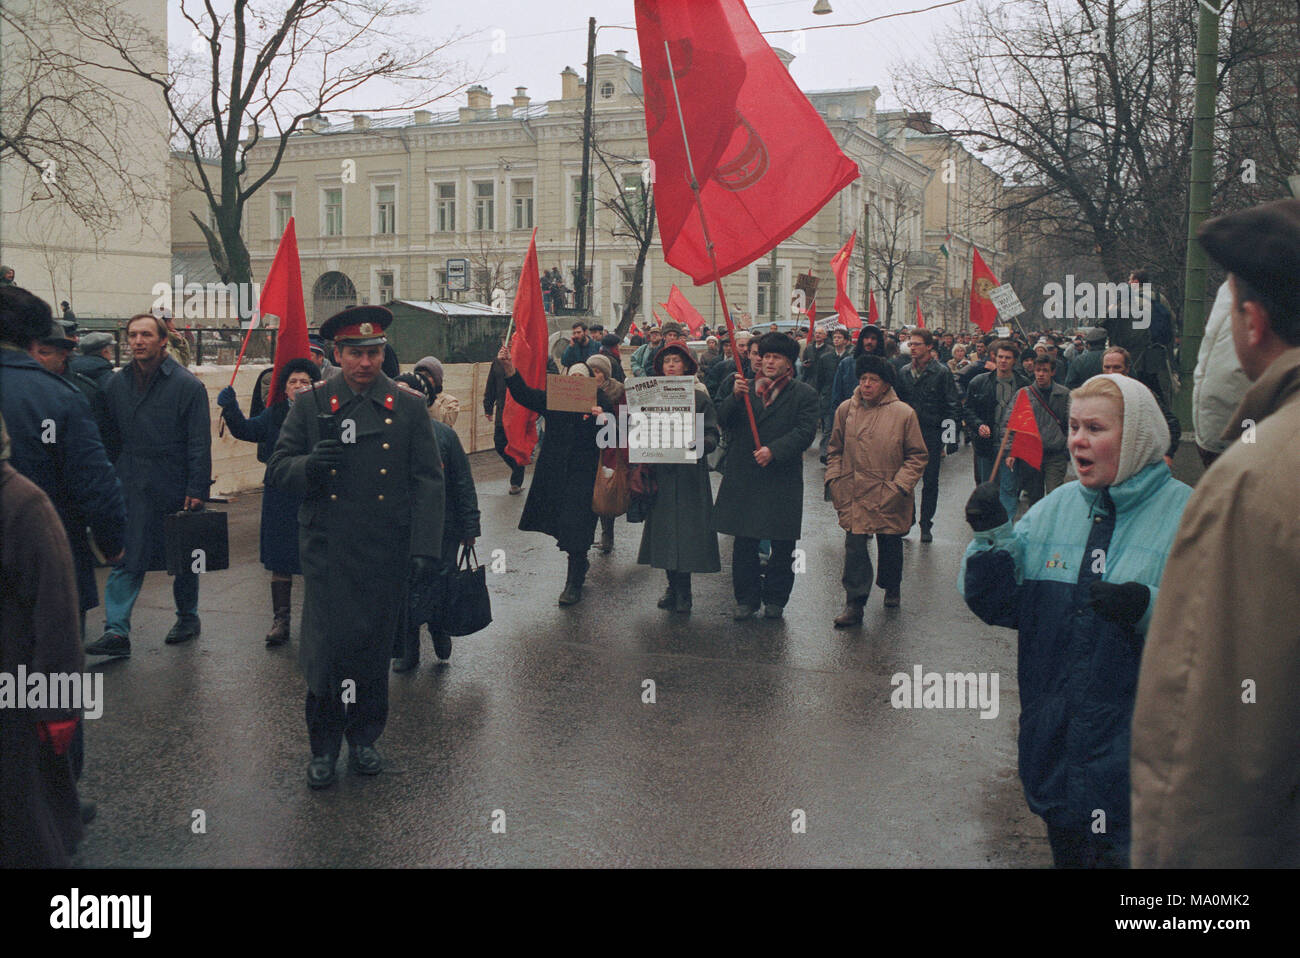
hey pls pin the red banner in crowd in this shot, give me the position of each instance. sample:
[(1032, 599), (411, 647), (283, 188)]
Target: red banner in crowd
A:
[(849, 317), (982, 311), (528, 354), (282, 297), (1026, 443)]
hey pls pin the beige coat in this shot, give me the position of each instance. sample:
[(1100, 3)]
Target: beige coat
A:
[(1216, 726), (445, 409), (873, 461)]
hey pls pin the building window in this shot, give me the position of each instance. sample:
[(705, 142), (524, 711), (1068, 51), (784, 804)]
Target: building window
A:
[(386, 287), (440, 290), (634, 195), (386, 209), (484, 206), (607, 90), (446, 214), (283, 212), (627, 278), (575, 201), (764, 284), (523, 190), (334, 212)]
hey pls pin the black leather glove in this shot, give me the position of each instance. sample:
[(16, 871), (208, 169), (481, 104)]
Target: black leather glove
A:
[(1123, 603), (325, 455), (984, 509)]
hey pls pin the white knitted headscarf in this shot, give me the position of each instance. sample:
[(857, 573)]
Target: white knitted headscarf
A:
[(1145, 437)]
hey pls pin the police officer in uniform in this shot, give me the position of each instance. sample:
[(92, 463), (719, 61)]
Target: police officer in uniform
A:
[(359, 449)]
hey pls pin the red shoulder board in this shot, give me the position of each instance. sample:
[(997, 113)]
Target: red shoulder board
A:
[(334, 403), (389, 400), (407, 389)]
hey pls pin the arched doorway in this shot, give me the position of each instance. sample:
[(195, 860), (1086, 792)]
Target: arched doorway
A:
[(332, 292)]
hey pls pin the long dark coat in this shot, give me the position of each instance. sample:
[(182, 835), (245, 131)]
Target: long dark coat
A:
[(678, 534), (559, 499), (359, 529), (161, 440), (72, 469), (278, 537), (40, 817), (766, 502)]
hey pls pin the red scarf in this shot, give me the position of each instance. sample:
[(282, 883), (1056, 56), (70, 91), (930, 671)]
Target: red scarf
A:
[(769, 389)]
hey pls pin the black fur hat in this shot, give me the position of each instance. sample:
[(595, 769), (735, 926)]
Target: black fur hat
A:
[(871, 363), (23, 316), (778, 343)]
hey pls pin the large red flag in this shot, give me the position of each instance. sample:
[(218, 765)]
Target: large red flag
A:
[(1026, 443), (528, 354), (920, 320), (982, 311), (282, 297), (682, 311), (849, 317), (873, 316), (778, 163)]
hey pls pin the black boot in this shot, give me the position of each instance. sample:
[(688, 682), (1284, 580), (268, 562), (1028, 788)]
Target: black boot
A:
[(281, 594), (410, 652), (578, 566), (606, 534), (669, 600), (683, 603)]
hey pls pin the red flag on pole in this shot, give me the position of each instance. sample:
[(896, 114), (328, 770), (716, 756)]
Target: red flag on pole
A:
[(658, 320), (982, 311), (873, 316), (682, 311), (764, 159), (849, 317), (282, 297), (811, 313), (920, 320), (1026, 443), (632, 330), (528, 354)]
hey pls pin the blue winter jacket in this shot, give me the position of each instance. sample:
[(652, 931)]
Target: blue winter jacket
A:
[(1077, 672)]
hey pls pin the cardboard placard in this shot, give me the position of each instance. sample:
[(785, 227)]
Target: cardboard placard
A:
[(570, 393)]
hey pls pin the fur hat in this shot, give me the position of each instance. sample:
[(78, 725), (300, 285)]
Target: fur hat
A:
[(871, 363), (778, 343), (298, 365), (23, 316)]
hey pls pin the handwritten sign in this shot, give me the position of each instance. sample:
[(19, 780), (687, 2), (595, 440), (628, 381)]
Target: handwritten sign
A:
[(570, 393)]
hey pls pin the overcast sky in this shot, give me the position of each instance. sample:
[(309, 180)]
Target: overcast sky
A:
[(540, 39)]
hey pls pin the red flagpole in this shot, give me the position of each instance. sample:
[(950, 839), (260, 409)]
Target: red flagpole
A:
[(708, 244)]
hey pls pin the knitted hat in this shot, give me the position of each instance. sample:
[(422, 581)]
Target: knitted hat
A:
[(433, 367), (580, 369), (601, 363), (1145, 437)]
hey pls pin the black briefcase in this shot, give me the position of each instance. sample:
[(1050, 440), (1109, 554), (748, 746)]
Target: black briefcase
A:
[(196, 542)]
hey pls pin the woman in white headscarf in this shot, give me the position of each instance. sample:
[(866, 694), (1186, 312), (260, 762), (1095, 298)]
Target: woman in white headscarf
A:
[(1077, 576)]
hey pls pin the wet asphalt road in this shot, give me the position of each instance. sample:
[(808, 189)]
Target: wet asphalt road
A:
[(539, 722)]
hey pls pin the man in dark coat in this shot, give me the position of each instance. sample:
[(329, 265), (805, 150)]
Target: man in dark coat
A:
[(56, 443), (761, 496), (927, 386), (94, 358), (1085, 365), (823, 380), (160, 435), (40, 818), (359, 450)]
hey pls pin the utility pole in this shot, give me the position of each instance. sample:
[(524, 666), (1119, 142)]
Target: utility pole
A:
[(580, 278), (866, 257), (1198, 204)]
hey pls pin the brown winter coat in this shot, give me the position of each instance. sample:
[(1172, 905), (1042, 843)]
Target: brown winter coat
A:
[(40, 817), (875, 456), (1216, 781)]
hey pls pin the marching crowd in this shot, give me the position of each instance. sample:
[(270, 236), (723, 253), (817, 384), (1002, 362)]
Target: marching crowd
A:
[(1156, 623)]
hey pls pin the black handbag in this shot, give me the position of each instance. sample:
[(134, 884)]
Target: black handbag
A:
[(196, 542), (468, 606)]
